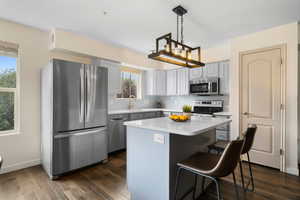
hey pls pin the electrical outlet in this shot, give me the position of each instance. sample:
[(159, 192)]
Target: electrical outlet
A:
[(159, 138)]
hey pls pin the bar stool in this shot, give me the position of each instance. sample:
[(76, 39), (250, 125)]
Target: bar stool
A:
[(212, 166), (249, 135)]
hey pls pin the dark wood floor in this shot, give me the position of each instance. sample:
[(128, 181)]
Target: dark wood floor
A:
[(108, 182)]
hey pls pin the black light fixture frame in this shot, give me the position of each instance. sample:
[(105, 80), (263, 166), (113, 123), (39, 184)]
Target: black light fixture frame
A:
[(168, 56)]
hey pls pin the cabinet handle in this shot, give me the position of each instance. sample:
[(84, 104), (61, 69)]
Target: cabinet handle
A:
[(245, 113)]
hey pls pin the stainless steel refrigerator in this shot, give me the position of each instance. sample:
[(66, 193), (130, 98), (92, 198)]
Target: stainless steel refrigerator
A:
[(74, 116)]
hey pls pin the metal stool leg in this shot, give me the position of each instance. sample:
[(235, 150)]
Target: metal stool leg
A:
[(195, 187), (218, 188), (242, 174), (251, 175), (203, 184), (235, 185), (179, 170)]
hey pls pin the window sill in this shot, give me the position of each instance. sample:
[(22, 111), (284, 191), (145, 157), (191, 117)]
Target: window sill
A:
[(122, 99), (9, 133)]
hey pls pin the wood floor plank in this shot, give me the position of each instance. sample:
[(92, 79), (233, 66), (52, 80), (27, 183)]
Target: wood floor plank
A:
[(108, 182)]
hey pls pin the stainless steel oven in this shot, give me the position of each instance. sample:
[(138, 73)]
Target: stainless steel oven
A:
[(205, 86)]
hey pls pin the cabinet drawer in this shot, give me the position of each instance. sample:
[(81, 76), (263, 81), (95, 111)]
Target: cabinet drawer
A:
[(159, 114), (149, 115), (124, 117), (136, 116)]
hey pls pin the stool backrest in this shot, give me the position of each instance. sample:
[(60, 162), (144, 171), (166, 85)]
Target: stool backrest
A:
[(229, 159), (249, 138)]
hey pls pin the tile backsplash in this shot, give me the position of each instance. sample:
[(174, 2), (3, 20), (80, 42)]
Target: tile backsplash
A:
[(176, 102)]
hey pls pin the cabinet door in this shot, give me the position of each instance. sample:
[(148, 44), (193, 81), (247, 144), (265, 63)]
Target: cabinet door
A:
[(151, 86), (171, 82), (116, 132), (211, 70), (224, 77), (161, 83), (182, 82), (156, 82), (114, 75), (196, 73)]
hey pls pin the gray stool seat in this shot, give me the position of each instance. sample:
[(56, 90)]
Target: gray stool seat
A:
[(200, 162), (211, 166), (249, 135)]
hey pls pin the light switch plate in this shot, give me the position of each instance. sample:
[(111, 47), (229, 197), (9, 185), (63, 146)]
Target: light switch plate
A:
[(159, 138)]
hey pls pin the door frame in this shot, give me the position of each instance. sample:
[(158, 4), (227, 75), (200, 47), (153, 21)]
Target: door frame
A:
[(282, 48)]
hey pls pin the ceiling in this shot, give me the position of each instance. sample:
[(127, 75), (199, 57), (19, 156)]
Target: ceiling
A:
[(136, 23)]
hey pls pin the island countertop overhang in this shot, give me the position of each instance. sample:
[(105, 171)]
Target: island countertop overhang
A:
[(195, 126)]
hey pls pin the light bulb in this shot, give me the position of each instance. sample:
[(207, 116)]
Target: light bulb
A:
[(189, 55)]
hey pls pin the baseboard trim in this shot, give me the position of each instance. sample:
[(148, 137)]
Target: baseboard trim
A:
[(293, 171), (19, 166)]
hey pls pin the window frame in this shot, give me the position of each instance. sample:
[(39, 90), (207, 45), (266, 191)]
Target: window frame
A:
[(139, 84), (16, 93)]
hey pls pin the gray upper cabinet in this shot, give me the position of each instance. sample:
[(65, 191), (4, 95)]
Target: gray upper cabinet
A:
[(224, 77), (211, 70)]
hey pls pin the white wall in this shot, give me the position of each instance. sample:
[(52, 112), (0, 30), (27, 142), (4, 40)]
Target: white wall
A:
[(67, 41), (23, 149), (286, 34), (214, 54)]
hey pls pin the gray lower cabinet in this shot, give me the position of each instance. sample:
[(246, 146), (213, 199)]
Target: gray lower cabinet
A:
[(223, 132), (117, 131)]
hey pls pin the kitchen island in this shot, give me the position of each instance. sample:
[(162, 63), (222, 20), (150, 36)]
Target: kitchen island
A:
[(154, 146)]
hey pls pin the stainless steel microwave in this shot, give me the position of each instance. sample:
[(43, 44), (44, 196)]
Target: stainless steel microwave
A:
[(205, 86)]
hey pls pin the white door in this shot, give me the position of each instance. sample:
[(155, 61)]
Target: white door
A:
[(260, 103)]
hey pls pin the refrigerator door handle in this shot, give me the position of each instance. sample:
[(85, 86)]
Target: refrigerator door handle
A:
[(78, 133), (81, 93), (87, 94)]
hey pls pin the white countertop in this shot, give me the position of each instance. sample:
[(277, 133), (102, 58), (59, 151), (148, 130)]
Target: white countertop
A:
[(192, 127), (227, 114), (112, 112)]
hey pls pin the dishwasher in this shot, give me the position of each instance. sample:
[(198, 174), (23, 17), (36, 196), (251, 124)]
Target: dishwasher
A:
[(117, 133)]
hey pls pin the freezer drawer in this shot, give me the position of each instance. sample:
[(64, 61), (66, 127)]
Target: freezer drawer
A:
[(80, 149)]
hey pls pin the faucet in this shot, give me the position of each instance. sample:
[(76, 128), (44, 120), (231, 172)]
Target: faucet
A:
[(130, 103)]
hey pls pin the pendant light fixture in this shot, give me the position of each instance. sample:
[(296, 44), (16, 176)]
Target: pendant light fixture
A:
[(175, 51)]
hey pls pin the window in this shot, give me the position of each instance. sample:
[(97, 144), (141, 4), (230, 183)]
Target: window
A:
[(130, 83), (8, 88)]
